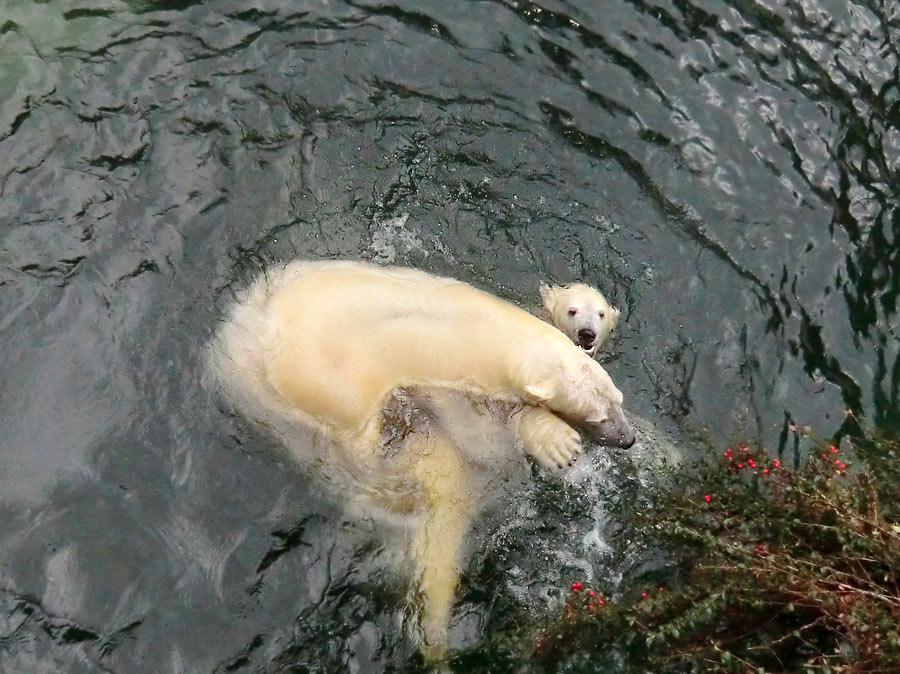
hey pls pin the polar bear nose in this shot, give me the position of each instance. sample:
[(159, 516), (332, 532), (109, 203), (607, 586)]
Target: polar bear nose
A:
[(618, 435), (613, 431), (586, 337)]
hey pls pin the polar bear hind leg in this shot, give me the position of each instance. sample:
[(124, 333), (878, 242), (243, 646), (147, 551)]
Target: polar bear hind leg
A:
[(438, 538)]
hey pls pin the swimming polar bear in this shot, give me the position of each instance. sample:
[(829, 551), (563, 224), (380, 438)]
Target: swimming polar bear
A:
[(581, 312), (333, 346)]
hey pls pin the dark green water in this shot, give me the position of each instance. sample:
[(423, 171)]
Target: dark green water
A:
[(727, 172)]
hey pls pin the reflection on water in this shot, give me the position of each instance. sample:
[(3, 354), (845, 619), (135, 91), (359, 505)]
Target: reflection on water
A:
[(727, 173)]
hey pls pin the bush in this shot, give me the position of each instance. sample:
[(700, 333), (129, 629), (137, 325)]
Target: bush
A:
[(771, 569)]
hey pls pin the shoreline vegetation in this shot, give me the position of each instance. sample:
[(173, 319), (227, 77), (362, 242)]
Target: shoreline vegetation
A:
[(767, 568)]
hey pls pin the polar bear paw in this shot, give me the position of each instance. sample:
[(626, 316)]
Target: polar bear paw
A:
[(549, 439)]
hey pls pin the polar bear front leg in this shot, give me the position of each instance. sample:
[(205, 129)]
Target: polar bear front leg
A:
[(549, 439)]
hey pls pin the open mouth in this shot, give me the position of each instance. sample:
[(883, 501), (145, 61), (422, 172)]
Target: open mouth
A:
[(590, 348), (586, 340)]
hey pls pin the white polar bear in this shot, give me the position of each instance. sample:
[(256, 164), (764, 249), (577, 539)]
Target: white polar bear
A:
[(327, 346), (582, 313)]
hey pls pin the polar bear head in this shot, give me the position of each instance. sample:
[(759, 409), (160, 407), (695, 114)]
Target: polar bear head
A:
[(581, 312), (579, 390), (604, 420)]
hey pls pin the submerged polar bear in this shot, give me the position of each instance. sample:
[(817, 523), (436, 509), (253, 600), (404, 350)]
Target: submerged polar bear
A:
[(332, 347), (582, 313)]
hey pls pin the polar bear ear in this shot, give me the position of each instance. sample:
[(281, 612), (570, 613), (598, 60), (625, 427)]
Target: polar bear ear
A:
[(541, 391), (548, 296), (613, 318)]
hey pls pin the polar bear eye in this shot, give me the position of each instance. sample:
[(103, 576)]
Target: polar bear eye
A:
[(572, 312), (602, 314)]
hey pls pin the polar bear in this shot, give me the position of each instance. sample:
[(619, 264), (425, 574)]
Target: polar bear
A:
[(330, 346), (581, 312)]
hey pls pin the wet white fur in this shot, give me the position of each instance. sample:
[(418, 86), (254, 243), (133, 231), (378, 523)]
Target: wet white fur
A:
[(315, 350)]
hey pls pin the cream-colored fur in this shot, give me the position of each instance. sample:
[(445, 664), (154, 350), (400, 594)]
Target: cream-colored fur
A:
[(582, 313), (326, 346)]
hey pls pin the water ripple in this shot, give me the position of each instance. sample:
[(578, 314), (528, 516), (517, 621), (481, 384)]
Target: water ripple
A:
[(727, 172)]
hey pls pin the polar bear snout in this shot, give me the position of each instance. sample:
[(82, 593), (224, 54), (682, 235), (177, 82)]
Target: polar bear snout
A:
[(586, 340), (613, 431), (626, 438)]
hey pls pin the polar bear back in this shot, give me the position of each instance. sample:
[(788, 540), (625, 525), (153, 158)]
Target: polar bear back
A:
[(339, 336)]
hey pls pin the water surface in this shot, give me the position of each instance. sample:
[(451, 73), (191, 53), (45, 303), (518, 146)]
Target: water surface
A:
[(727, 173)]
